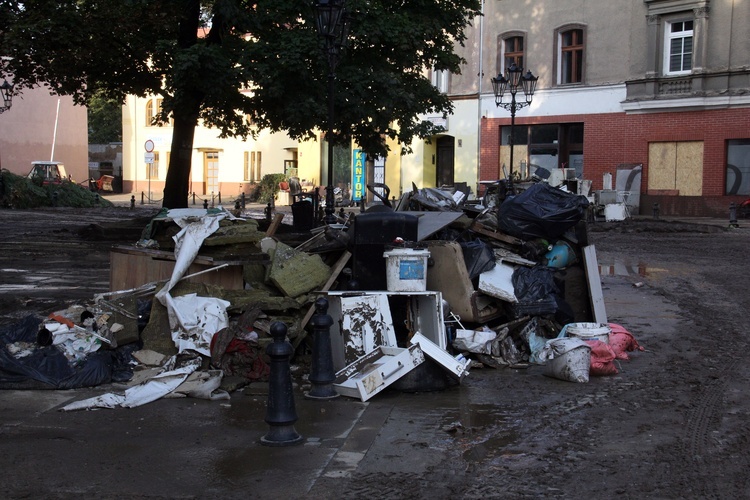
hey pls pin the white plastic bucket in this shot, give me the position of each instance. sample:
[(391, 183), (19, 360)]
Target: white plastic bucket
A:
[(406, 269), (570, 360), (589, 331)]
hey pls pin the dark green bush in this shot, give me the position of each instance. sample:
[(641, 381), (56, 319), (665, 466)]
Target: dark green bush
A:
[(269, 186), (21, 192)]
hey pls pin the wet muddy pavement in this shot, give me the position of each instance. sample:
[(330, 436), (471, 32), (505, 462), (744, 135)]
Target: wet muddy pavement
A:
[(673, 422)]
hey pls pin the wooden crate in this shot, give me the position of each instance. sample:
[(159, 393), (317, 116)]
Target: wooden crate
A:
[(130, 267)]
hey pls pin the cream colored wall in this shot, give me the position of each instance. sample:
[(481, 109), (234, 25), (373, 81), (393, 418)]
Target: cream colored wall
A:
[(308, 163), (27, 131), (464, 126), (275, 148)]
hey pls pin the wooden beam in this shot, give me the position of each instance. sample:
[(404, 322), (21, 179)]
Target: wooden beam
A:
[(478, 227), (277, 218)]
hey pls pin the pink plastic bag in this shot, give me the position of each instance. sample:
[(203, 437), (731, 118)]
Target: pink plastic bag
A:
[(602, 359), (622, 341)]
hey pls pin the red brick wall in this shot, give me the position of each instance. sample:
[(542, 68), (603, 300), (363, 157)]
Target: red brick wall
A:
[(611, 139)]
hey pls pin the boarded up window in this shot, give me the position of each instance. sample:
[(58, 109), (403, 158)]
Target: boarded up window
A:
[(676, 166)]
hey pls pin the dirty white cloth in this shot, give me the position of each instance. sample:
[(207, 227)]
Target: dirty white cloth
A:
[(182, 381), (193, 320), (477, 341)]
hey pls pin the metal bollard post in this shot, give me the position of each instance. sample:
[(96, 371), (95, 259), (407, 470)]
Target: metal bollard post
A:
[(280, 411), (321, 371), (243, 201), (268, 211), (132, 202), (205, 204), (219, 197), (656, 211), (733, 215), (212, 199), (143, 198), (193, 197), (342, 213)]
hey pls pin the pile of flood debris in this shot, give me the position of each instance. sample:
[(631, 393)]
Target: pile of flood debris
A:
[(420, 292)]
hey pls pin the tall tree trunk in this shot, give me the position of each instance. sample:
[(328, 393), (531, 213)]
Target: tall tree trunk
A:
[(185, 117), (177, 185)]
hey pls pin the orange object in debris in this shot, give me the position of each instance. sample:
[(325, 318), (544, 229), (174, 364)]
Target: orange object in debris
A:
[(62, 320)]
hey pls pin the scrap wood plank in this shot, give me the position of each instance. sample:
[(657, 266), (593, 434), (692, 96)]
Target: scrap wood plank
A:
[(478, 227), (591, 266), (335, 271), (277, 218)]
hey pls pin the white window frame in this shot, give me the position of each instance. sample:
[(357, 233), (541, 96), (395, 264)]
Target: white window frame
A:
[(682, 35), (440, 79)]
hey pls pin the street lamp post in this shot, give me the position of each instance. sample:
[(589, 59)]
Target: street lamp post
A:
[(6, 90), (510, 82), (333, 28)]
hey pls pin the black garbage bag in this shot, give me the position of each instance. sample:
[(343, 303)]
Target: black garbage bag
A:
[(541, 211), (48, 368), (539, 295), (478, 256), (531, 284)]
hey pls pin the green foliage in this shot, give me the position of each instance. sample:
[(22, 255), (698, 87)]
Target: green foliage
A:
[(113, 48), (21, 192), (105, 119), (269, 186)]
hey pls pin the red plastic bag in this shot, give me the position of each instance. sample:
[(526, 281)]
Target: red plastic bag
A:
[(622, 341), (602, 359)]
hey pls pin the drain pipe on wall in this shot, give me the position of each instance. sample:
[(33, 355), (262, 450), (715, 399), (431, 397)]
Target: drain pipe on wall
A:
[(480, 77)]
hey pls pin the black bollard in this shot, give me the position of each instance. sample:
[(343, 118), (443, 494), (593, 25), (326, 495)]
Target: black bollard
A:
[(205, 204), (243, 201), (656, 211), (268, 211), (733, 215), (132, 202), (322, 375), (280, 411), (143, 198), (219, 197)]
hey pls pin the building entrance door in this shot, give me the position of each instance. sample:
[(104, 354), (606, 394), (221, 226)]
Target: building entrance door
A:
[(445, 161)]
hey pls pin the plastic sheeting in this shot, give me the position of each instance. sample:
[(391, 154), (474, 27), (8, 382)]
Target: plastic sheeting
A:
[(48, 367), (478, 256), (541, 211)]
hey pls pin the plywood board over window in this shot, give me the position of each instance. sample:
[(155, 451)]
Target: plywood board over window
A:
[(676, 166)]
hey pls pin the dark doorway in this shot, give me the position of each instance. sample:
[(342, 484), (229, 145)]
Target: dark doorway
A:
[(445, 151)]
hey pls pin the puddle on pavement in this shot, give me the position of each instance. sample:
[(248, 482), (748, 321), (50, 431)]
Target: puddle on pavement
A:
[(482, 431)]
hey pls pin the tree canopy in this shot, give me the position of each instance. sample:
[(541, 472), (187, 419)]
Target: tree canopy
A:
[(242, 66)]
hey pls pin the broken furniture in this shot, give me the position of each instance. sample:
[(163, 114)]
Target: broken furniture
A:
[(450, 276), (131, 267), (368, 320)]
